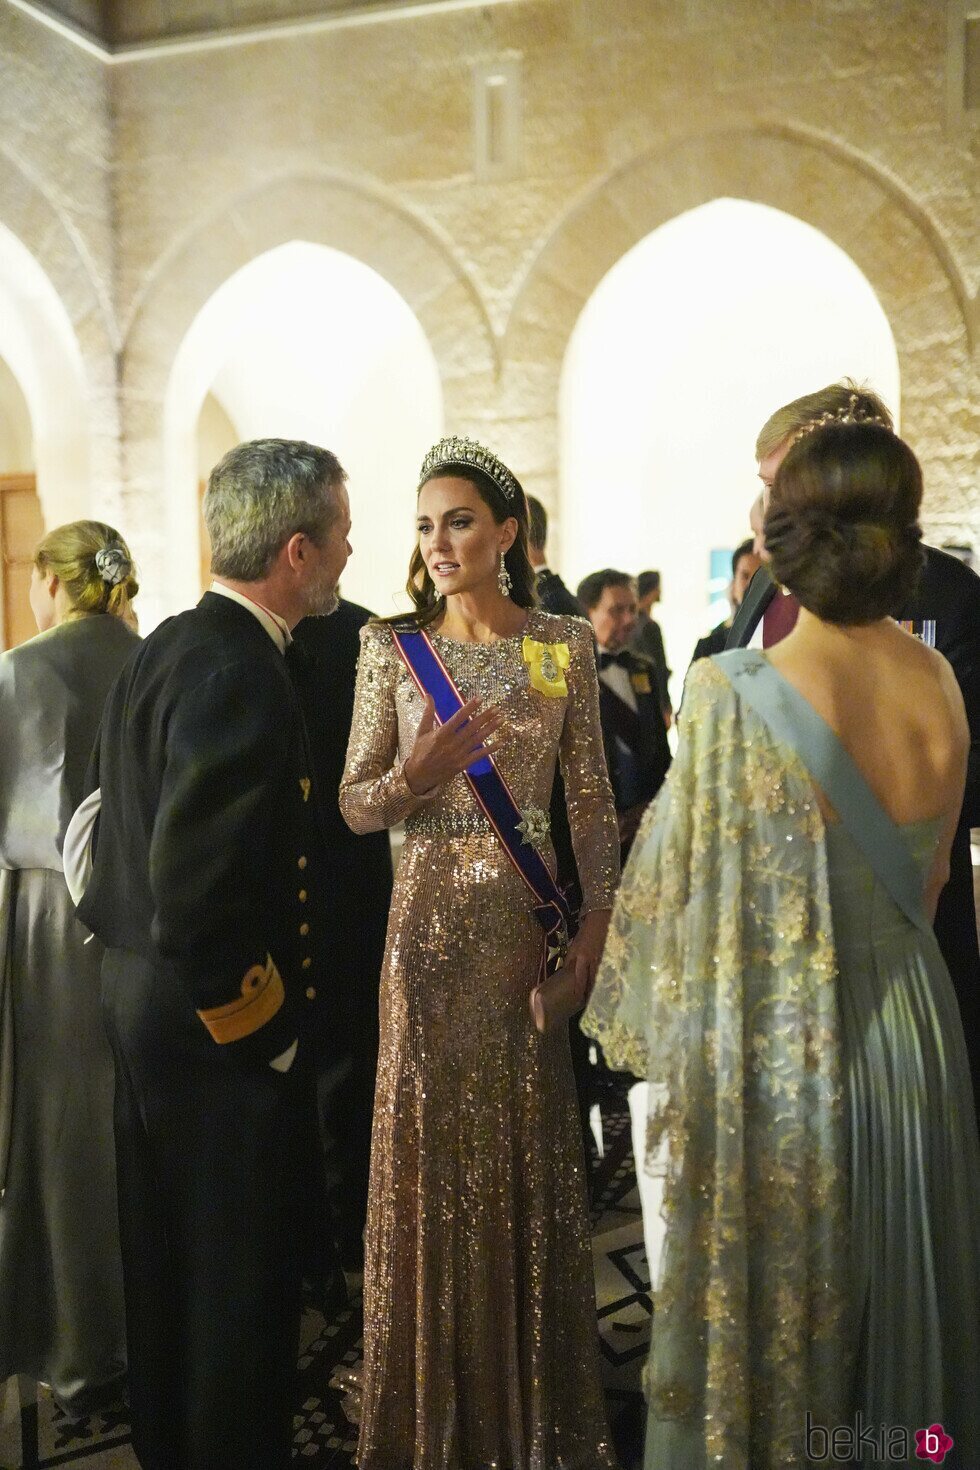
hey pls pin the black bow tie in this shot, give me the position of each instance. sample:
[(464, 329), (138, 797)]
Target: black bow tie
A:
[(623, 659)]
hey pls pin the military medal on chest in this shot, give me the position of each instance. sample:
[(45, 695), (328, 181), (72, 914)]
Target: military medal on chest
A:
[(546, 665)]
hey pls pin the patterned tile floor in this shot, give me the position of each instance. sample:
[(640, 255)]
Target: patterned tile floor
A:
[(322, 1435)]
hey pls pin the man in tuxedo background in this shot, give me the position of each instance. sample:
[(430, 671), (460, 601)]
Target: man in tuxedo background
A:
[(647, 638), (633, 728), (357, 885), (745, 563), (207, 891), (553, 595), (945, 612)]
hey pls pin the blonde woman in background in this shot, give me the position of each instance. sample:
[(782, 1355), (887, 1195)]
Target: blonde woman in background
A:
[(61, 1306)]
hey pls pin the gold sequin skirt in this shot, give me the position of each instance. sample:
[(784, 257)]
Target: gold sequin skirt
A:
[(480, 1341)]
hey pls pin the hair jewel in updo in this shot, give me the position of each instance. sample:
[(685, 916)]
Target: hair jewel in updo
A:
[(846, 413), (113, 565), (458, 453)]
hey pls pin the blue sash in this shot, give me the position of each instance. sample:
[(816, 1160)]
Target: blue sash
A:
[(493, 796)]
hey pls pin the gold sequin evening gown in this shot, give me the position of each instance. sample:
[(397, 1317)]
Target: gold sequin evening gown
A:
[(480, 1343)]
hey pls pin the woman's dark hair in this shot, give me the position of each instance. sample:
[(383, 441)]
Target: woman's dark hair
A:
[(428, 603), (842, 527)]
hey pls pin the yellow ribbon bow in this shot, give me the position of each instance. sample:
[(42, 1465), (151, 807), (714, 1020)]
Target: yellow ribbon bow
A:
[(546, 665)]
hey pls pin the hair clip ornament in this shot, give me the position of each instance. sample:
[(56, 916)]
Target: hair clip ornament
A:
[(113, 565)]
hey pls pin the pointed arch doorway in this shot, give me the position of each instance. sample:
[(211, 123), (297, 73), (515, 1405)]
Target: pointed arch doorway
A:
[(683, 350), (307, 342)]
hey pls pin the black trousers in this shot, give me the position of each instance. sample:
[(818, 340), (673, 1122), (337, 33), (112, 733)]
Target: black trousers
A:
[(215, 1178)]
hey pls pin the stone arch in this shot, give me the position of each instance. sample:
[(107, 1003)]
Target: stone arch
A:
[(90, 415), (888, 235), (320, 209)]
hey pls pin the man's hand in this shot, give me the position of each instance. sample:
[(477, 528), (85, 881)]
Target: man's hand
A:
[(442, 751)]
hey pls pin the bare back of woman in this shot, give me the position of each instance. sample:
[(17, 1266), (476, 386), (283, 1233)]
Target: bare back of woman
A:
[(896, 707)]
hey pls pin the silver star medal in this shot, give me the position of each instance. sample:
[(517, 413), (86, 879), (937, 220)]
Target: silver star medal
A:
[(534, 826), (557, 949)]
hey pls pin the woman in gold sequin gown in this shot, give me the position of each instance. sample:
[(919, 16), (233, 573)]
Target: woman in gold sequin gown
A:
[(480, 1343)]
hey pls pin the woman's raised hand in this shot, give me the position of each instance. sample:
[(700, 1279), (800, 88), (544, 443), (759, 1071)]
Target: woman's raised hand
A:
[(442, 751)]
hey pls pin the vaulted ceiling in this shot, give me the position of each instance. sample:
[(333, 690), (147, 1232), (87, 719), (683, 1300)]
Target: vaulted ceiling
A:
[(119, 23)]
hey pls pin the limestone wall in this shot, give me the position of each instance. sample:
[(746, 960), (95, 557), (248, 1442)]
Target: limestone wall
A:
[(633, 111), (55, 198), (363, 138)]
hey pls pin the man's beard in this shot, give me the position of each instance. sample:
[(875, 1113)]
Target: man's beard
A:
[(322, 598)]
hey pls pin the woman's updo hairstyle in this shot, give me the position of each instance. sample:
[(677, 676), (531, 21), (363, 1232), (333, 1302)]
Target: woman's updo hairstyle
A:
[(93, 564), (420, 587), (842, 528)]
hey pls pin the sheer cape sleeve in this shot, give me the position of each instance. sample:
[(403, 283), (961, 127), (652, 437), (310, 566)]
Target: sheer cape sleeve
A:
[(588, 794), (718, 985), (374, 792)]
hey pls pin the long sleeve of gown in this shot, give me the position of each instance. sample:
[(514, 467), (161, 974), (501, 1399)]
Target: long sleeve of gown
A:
[(591, 812), (374, 792)]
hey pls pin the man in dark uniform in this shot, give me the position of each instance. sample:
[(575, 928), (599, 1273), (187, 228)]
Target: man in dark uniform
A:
[(945, 613), (206, 891), (553, 595), (633, 729), (745, 564), (358, 880)]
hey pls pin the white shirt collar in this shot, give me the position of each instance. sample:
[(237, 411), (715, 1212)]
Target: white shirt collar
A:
[(616, 678), (276, 627)]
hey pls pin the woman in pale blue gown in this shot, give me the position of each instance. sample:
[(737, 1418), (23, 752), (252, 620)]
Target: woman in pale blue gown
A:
[(771, 969)]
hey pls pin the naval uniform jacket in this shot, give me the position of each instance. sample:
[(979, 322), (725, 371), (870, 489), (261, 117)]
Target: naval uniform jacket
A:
[(205, 852), (357, 880), (357, 883)]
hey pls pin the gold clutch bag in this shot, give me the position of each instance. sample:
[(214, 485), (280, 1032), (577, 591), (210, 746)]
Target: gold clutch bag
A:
[(557, 999)]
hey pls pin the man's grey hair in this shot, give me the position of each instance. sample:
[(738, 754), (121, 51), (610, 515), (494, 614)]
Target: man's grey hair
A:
[(260, 495)]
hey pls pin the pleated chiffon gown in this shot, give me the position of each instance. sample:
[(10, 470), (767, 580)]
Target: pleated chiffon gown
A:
[(914, 1160)]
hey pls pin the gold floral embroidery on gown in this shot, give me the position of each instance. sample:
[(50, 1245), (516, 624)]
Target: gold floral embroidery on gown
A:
[(718, 985), (480, 1343)]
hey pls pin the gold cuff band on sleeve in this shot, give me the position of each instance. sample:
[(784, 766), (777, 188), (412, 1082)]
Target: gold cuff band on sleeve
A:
[(262, 995)]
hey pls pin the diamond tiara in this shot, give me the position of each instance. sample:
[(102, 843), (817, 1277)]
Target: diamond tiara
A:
[(849, 413), (456, 451)]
